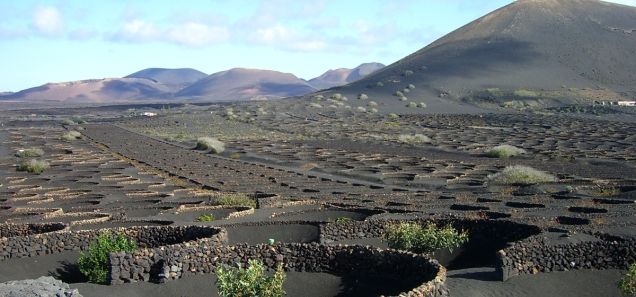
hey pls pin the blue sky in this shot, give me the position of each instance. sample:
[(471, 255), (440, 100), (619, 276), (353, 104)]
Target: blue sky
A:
[(55, 41)]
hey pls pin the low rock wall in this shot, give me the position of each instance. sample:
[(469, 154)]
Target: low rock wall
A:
[(177, 261), (13, 230), (60, 241), (534, 255)]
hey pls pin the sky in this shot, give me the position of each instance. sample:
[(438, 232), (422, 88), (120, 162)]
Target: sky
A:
[(64, 40)]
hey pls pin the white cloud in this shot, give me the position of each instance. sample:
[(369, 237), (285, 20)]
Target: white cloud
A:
[(198, 34), (626, 2), (137, 31), (48, 20), (188, 33)]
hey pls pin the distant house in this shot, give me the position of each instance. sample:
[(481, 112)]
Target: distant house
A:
[(149, 114)]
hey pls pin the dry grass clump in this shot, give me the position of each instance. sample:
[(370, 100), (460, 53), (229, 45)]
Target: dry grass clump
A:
[(521, 175), (235, 200), (33, 166), (415, 138), (504, 151), (29, 153), (209, 143), (71, 135)]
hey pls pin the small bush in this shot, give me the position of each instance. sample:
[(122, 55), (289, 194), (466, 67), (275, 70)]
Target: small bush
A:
[(361, 109), (379, 84), (372, 104), (71, 135), (315, 105), (206, 218), (522, 175), (235, 200), (336, 96), (33, 166), (94, 264), (504, 151), (363, 97), (343, 220), (407, 73), (398, 94), (627, 284), (208, 143), (411, 105), (417, 239), (415, 138), (403, 98), (68, 122), (251, 281), (525, 93), (29, 153), (411, 86), (393, 116), (422, 105), (373, 110)]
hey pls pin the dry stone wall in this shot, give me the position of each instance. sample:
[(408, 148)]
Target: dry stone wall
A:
[(534, 255)]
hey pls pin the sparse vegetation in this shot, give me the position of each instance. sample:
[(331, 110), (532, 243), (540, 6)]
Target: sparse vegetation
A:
[(627, 284), (206, 218), (379, 84), (29, 153), (33, 166), (372, 104), (361, 109), (250, 281), (71, 135), (235, 199), (419, 239), (393, 116), (525, 93), (411, 105), (522, 175), (94, 263), (68, 122), (214, 145), (363, 96), (336, 96), (315, 105), (422, 105), (415, 138), (407, 73), (398, 94), (504, 151), (343, 220), (411, 86)]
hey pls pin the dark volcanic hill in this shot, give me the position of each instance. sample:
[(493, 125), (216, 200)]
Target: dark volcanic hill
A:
[(545, 46), (246, 84), (342, 76), (94, 90), (176, 79)]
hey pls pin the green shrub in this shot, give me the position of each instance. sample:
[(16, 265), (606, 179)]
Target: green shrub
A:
[(68, 122), (33, 166), (206, 218), (627, 284), (398, 94), (525, 93), (393, 116), (415, 138), (372, 104), (522, 175), (29, 153), (361, 109), (343, 220), (235, 200), (363, 96), (250, 282), (419, 239), (336, 96), (411, 105), (208, 143), (422, 105), (94, 264), (504, 151), (71, 135)]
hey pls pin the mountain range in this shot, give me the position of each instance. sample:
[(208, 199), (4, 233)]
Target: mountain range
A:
[(237, 84)]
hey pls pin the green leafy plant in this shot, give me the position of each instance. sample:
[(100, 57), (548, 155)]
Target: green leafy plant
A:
[(521, 175), (235, 200), (94, 263), (206, 218), (29, 153), (212, 144), (419, 239), (343, 220), (33, 166), (250, 281), (627, 284), (504, 151)]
